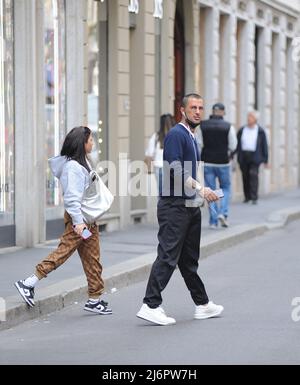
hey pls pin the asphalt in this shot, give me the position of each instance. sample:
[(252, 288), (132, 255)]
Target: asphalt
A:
[(127, 256), (255, 281)]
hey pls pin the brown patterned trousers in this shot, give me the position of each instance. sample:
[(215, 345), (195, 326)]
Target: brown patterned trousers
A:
[(88, 250)]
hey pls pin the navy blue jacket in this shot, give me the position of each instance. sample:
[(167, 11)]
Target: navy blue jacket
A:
[(181, 157), (261, 154)]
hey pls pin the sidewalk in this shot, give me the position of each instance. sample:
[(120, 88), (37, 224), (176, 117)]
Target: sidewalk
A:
[(127, 256)]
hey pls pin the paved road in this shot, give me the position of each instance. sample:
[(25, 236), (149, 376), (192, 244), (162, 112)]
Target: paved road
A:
[(255, 281)]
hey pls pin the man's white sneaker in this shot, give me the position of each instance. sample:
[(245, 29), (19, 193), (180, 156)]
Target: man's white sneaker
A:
[(156, 316), (208, 311), (223, 220)]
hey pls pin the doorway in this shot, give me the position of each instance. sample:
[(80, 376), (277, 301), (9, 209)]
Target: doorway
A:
[(179, 55)]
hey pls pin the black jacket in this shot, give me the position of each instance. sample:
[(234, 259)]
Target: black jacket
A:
[(261, 154), (215, 132)]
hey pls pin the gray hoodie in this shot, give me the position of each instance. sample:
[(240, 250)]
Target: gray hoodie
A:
[(74, 179)]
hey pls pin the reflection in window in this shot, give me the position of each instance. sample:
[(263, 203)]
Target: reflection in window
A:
[(54, 39), (94, 121), (6, 114)]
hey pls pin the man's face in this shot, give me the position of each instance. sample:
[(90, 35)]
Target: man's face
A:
[(219, 113), (251, 120), (194, 110)]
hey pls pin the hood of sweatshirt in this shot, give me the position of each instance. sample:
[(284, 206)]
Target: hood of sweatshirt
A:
[(57, 165)]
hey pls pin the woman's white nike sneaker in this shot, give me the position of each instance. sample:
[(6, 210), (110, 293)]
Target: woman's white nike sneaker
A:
[(26, 292), (208, 311)]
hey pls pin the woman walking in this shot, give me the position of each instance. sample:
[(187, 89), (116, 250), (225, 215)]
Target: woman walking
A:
[(75, 173), (154, 151)]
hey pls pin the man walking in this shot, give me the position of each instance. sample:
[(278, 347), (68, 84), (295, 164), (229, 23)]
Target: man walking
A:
[(179, 218), (218, 141), (252, 152)]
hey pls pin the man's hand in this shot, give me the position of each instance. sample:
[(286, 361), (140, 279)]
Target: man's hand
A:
[(79, 228), (209, 195)]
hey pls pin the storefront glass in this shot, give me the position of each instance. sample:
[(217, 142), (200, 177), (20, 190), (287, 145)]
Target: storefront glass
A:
[(7, 132), (55, 98), (94, 122)]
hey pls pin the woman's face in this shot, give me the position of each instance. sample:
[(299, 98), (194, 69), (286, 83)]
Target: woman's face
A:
[(89, 145)]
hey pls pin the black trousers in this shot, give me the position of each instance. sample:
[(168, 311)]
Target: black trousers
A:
[(179, 244), (250, 171)]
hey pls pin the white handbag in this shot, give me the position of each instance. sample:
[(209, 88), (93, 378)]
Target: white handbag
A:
[(97, 199)]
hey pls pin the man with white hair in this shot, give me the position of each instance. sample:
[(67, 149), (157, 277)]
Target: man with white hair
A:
[(252, 152)]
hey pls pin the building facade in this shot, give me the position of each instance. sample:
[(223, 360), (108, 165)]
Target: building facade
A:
[(116, 66)]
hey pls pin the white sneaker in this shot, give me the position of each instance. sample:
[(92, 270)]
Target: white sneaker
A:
[(156, 316), (208, 311), (223, 221)]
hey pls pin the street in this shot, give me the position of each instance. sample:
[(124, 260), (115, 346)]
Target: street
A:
[(255, 281)]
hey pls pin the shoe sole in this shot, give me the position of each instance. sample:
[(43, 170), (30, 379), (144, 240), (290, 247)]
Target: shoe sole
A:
[(144, 318), (97, 312), (213, 315), (23, 296)]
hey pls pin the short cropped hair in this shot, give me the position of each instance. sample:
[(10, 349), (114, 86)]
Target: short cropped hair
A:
[(187, 97)]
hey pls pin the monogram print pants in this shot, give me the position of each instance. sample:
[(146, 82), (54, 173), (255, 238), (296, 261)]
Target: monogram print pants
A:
[(88, 250)]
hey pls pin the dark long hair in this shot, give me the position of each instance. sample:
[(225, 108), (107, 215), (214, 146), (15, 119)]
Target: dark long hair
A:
[(73, 147), (167, 121)]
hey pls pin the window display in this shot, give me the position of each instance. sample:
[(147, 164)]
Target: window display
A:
[(7, 131), (94, 122), (55, 98)]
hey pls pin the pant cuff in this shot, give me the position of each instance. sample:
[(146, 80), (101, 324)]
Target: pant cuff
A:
[(152, 306), (40, 275), (96, 295), (203, 303)]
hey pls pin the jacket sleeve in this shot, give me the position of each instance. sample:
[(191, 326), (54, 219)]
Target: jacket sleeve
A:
[(151, 148), (199, 138), (232, 140), (265, 150), (73, 183), (238, 147)]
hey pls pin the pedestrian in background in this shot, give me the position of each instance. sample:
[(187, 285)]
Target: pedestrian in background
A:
[(179, 218), (252, 151), (218, 141), (75, 173), (154, 151)]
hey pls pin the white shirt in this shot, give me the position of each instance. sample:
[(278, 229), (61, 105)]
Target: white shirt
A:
[(249, 138), (155, 151), (188, 129)]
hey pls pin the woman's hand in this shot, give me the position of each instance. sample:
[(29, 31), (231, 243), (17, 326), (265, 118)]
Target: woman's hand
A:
[(79, 228)]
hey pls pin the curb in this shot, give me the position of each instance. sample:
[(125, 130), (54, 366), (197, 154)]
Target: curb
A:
[(281, 218), (60, 295)]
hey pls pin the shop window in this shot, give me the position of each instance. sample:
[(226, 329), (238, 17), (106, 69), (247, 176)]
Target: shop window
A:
[(7, 131), (55, 98), (97, 80)]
